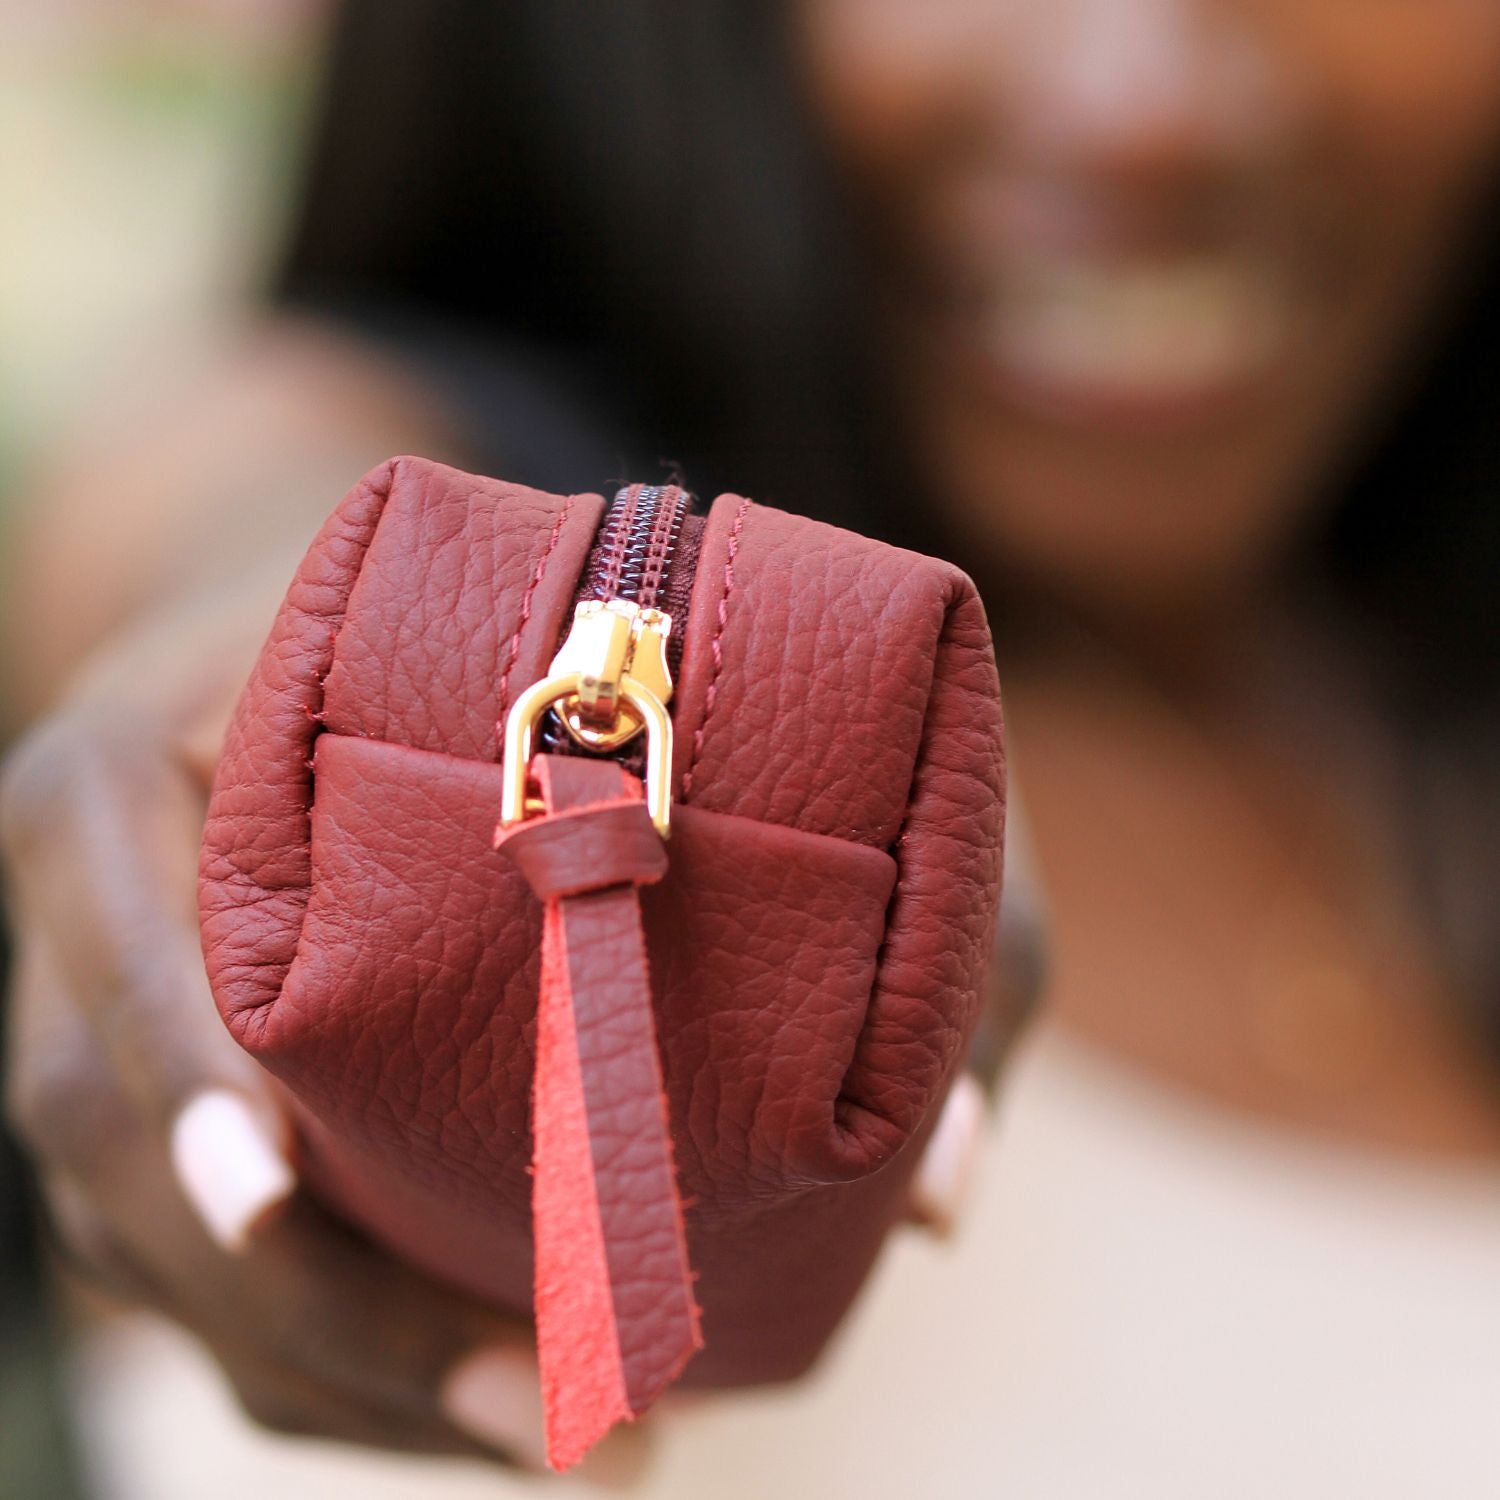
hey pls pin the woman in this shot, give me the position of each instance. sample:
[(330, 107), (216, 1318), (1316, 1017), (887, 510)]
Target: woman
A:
[(1169, 320)]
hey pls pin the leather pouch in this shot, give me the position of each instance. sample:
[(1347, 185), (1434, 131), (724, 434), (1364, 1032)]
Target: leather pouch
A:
[(724, 1117)]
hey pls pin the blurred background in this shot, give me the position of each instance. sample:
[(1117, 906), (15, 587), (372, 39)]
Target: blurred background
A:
[(145, 154), (163, 133), (1222, 455)]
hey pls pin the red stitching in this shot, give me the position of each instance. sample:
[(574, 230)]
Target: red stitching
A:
[(717, 648), (319, 715), (513, 651)]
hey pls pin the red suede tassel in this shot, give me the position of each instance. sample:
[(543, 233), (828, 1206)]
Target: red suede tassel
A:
[(616, 1319)]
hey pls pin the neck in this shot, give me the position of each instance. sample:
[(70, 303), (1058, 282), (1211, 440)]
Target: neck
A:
[(1188, 649)]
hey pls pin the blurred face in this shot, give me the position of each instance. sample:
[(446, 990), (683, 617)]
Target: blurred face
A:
[(1152, 264)]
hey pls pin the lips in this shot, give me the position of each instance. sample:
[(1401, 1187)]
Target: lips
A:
[(1103, 305)]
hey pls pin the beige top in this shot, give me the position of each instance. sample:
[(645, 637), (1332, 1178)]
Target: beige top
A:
[(1148, 1299)]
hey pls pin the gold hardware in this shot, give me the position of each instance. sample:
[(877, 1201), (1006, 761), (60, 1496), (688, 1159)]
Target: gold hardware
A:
[(608, 682), (611, 641)]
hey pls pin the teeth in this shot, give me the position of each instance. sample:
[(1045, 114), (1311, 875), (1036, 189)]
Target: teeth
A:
[(1132, 329)]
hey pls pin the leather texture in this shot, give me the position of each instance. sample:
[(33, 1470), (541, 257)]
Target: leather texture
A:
[(588, 848), (817, 944)]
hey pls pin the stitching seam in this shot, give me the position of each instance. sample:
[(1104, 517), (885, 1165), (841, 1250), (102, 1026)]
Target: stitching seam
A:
[(717, 648), (513, 650), (318, 717)]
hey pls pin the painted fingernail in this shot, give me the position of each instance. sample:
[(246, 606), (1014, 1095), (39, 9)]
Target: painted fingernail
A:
[(494, 1395), (943, 1179), (229, 1165)]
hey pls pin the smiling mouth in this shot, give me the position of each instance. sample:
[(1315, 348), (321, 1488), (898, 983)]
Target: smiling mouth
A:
[(1092, 334)]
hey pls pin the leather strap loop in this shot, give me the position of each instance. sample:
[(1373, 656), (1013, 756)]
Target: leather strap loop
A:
[(587, 849)]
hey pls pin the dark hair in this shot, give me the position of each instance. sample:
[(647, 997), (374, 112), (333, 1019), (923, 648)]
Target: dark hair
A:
[(631, 198), (1412, 552), (626, 194)]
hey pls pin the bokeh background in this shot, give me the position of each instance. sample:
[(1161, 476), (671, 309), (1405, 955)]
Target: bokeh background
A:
[(1159, 1291), (144, 159)]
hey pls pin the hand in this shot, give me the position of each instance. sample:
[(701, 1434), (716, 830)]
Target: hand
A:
[(168, 1165)]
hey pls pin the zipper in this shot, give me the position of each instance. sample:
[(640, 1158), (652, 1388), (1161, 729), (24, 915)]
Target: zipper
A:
[(636, 549), (573, 827), (611, 678)]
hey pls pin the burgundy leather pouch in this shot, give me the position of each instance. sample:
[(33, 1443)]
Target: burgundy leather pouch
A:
[(815, 928)]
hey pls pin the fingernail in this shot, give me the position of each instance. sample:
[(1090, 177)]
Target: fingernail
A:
[(231, 1169), (943, 1179), (495, 1396)]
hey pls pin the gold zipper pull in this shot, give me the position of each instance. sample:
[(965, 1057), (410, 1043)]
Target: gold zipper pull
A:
[(612, 641), (607, 684)]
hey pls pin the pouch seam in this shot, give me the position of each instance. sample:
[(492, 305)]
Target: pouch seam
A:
[(716, 648)]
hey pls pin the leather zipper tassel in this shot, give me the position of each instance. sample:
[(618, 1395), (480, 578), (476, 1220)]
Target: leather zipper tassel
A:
[(616, 1319)]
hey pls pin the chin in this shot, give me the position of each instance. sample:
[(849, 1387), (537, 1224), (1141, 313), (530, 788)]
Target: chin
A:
[(1115, 530), (1143, 519)]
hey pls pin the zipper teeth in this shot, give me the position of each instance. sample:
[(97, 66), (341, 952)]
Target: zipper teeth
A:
[(645, 551), (657, 548), (637, 543)]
